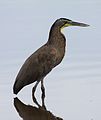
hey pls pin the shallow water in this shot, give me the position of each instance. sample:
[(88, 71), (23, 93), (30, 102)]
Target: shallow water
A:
[(72, 88)]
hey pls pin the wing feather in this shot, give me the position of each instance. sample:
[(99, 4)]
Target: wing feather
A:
[(35, 67)]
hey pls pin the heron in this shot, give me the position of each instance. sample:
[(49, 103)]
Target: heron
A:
[(43, 60)]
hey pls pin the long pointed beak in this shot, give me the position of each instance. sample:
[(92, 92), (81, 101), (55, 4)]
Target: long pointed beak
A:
[(79, 24)]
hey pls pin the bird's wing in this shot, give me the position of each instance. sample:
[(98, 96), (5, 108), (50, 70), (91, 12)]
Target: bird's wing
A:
[(35, 67)]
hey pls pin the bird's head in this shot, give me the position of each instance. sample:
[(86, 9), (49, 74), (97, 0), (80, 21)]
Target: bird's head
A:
[(63, 22)]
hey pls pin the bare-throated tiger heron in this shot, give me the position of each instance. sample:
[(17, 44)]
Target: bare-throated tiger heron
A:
[(42, 61)]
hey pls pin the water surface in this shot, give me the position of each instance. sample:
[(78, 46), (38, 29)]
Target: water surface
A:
[(72, 88)]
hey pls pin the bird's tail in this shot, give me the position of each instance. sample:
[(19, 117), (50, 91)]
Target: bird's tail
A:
[(17, 87)]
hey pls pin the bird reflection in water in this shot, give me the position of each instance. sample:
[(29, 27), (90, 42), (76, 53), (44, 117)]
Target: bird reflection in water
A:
[(28, 112)]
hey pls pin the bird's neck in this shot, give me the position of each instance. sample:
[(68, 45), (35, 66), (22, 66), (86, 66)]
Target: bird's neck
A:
[(56, 38)]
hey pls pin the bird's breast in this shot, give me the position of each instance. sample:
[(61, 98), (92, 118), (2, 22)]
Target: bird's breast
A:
[(57, 56)]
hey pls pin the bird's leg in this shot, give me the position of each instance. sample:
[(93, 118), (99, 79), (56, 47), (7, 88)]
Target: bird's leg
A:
[(43, 94), (33, 92)]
